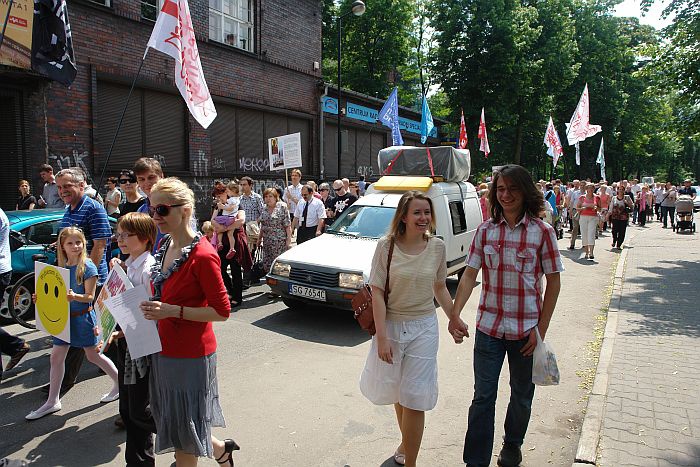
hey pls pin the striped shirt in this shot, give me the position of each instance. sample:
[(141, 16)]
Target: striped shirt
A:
[(91, 217), (513, 262), (252, 205)]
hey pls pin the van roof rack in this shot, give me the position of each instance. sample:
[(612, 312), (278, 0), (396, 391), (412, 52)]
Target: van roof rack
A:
[(403, 183)]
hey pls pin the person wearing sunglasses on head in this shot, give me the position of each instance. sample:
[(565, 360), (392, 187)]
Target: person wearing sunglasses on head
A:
[(134, 199), (188, 295)]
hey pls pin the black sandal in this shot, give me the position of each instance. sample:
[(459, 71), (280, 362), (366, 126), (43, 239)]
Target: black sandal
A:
[(229, 446)]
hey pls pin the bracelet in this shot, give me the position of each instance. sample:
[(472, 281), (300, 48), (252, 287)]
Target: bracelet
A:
[(182, 312)]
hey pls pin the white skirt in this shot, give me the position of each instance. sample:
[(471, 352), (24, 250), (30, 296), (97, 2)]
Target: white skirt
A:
[(411, 380)]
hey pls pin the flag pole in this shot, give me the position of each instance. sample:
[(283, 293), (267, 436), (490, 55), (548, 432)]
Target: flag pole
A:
[(4, 25), (121, 119)]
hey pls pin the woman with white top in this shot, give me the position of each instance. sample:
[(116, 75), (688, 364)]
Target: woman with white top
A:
[(588, 205), (401, 367), (113, 198)]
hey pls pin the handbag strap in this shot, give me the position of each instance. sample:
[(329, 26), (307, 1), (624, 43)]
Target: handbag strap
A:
[(388, 267)]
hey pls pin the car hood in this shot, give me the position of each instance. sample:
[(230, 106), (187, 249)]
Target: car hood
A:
[(335, 252)]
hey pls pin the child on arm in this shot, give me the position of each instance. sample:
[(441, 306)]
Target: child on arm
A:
[(228, 210)]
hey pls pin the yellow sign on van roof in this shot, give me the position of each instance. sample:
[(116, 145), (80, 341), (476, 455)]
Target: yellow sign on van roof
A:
[(403, 183)]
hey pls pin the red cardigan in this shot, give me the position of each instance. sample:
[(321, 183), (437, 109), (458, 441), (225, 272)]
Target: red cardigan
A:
[(197, 283)]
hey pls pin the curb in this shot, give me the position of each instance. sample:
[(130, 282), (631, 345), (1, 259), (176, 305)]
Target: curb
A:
[(586, 453)]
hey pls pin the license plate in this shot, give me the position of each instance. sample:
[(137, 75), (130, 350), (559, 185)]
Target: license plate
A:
[(307, 292)]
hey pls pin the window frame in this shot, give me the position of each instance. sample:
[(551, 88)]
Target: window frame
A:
[(158, 6), (222, 16), (461, 216)]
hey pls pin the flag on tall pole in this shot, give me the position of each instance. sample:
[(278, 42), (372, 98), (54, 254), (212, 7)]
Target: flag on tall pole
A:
[(462, 143), (173, 35), (389, 116), (551, 140), (579, 127), (484, 146), (426, 121), (601, 159), (52, 43)]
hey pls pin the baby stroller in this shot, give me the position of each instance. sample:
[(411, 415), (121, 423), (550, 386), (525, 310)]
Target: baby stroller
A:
[(684, 214)]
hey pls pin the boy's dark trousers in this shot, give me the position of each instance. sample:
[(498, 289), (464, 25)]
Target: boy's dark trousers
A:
[(134, 400)]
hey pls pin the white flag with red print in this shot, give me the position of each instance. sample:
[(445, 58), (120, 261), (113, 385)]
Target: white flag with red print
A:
[(551, 140), (173, 35), (484, 147), (462, 133), (580, 128)]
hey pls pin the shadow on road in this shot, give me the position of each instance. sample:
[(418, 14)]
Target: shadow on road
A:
[(668, 303), (316, 324)]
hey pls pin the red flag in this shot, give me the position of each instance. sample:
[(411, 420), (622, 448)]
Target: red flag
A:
[(462, 133), (484, 147), (173, 35)]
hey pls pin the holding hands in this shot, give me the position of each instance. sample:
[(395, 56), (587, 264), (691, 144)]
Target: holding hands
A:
[(458, 329)]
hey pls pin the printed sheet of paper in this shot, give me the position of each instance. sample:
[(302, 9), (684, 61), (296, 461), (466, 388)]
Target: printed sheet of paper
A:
[(141, 334), (52, 308), (116, 283)]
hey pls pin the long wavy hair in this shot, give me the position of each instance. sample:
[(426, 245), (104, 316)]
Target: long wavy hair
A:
[(533, 200), (61, 253), (397, 228)]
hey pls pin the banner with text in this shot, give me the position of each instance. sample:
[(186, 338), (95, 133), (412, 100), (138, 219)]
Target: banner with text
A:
[(285, 151), (16, 47)]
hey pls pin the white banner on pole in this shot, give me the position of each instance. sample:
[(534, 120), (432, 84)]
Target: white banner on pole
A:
[(285, 151)]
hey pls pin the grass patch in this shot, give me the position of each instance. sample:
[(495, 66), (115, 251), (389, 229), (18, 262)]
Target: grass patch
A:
[(592, 347)]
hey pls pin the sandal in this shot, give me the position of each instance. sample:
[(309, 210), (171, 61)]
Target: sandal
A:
[(229, 446), (400, 458), (231, 253)]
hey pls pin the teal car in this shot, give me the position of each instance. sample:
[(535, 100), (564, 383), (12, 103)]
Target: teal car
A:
[(30, 234)]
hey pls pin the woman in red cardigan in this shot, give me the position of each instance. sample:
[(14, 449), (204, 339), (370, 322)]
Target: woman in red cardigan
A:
[(189, 294)]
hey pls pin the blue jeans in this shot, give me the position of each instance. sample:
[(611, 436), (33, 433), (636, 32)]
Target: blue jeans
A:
[(489, 354)]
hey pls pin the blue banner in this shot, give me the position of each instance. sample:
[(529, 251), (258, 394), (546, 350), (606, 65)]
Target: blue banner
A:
[(367, 114)]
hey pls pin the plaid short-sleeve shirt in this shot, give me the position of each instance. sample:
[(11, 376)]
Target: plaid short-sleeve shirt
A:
[(512, 263)]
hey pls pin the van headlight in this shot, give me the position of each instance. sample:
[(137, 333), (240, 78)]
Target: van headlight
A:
[(281, 269), (348, 280)]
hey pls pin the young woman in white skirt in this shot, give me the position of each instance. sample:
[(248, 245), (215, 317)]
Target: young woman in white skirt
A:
[(401, 367)]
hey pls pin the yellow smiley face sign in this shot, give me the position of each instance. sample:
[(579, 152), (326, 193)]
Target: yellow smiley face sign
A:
[(52, 307)]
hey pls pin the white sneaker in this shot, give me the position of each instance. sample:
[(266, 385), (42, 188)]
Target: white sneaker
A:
[(37, 414), (109, 398)]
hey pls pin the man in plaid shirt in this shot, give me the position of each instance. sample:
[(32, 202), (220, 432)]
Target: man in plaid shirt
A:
[(514, 250)]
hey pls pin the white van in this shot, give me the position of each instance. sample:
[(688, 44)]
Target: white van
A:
[(329, 269)]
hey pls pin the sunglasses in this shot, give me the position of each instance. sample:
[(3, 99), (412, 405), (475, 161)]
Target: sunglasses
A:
[(338, 189), (124, 236), (162, 209), (124, 181)]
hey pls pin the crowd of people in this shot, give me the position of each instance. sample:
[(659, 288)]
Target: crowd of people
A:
[(169, 401)]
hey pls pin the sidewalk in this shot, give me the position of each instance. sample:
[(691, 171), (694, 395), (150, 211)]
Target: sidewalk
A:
[(644, 409)]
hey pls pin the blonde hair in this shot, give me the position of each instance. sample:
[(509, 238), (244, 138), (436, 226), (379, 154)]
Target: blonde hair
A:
[(141, 225), (272, 192), (63, 257), (176, 190), (296, 172), (397, 228), (233, 186), (207, 227)]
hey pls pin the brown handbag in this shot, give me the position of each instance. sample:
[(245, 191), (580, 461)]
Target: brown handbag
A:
[(362, 301)]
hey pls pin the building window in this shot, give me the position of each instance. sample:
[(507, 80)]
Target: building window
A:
[(150, 9), (231, 22), (107, 3)]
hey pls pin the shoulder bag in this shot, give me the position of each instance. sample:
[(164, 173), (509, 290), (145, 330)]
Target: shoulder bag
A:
[(362, 301)]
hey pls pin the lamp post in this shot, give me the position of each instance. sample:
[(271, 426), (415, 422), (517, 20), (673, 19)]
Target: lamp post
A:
[(358, 9)]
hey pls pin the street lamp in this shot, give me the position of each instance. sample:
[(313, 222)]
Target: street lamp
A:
[(358, 9)]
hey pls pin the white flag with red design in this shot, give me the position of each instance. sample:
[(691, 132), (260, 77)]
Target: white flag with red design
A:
[(579, 128), (173, 35), (551, 140), (484, 147), (462, 133)]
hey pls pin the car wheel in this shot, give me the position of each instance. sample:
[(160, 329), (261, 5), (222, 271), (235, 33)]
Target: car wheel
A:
[(5, 316), (20, 304), (293, 303)]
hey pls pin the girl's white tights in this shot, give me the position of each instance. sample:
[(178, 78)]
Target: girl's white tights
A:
[(58, 368)]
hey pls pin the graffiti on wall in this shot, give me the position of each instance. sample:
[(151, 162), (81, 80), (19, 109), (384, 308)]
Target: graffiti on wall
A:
[(218, 164), (253, 164), (365, 170), (76, 159), (200, 164)]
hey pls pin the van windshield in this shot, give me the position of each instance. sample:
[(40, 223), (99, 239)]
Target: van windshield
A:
[(363, 221)]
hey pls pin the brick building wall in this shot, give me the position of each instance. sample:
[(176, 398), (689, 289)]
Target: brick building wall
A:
[(276, 80)]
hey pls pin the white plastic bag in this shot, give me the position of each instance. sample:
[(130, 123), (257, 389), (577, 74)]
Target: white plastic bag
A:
[(544, 364)]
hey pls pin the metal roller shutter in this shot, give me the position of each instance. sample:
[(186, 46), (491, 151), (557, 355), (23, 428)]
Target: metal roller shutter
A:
[(379, 141), (165, 125), (11, 147), (251, 142), (222, 135), (364, 153), (129, 145), (347, 161)]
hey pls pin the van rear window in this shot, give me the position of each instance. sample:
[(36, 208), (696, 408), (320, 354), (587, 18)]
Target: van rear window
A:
[(459, 221)]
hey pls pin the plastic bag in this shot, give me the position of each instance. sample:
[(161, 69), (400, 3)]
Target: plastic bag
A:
[(545, 371)]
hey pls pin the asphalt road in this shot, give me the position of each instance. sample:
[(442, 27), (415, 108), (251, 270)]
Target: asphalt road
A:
[(288, 382)]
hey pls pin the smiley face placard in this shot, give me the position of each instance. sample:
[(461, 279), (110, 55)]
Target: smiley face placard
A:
[(52, 308)]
